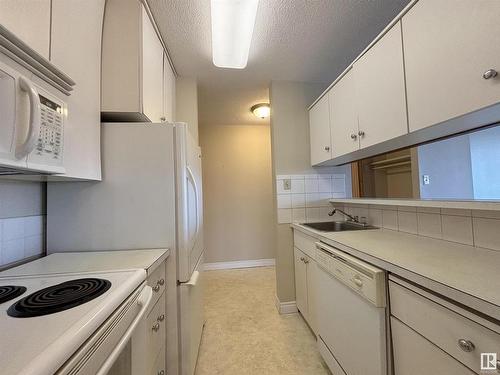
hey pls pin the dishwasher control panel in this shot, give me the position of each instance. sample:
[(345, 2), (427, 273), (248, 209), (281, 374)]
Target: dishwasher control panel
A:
[(365, 279)]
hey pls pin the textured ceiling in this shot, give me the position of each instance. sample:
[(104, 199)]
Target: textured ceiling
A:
[(294, 40)]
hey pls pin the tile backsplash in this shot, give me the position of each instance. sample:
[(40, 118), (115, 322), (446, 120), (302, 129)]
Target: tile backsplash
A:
[(20, 238), (305, 198), (478, 228)]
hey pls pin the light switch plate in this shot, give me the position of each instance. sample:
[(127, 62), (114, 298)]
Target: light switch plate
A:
[(287, 184)]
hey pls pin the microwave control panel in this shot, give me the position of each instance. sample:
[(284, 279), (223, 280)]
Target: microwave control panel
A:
[(50, 138)]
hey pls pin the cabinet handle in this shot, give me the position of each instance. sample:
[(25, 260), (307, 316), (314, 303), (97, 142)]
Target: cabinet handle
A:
[(490, 73), (163, 119), (161, 318), (156, 288), (161, 372), (354, 136), (327, 148), (161, 282), (498, 367), (156, 327), (302, 258), (358, 282), (466, 345), (306, 261), (361, 133)]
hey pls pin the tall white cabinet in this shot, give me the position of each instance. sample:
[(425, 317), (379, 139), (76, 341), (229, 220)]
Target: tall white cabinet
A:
[(132, 49), (453, 49)]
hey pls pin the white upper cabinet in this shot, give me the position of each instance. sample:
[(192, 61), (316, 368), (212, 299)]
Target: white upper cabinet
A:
[(76, 50), (168, 91), (449, 45), (380, 90), (29, 20), (132, 64), (343, 116), (152, 71), (319, 131)]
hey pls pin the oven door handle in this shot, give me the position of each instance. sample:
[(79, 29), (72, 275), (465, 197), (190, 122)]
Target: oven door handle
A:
[(144, 300)]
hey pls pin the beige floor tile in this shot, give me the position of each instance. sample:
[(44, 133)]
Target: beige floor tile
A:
[(245, 335)]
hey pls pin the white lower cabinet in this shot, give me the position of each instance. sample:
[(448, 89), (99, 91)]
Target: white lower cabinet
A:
[(306, 270), (415, 355)]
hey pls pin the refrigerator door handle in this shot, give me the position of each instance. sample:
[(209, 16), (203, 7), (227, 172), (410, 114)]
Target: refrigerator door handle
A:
[(194, 279), (193, 181)]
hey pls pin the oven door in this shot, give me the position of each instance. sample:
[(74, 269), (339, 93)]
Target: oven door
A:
[(108, 351)]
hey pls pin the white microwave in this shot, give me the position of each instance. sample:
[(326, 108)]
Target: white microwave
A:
[(31, 126)]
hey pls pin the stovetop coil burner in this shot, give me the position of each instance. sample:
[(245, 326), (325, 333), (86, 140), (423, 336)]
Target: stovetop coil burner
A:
[(8, 292), (59, 297)]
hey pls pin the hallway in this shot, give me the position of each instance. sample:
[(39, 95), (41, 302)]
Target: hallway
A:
[(245, 335)]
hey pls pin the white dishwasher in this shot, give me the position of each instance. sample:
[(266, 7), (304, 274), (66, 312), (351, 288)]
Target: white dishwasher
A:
[(351, 314)]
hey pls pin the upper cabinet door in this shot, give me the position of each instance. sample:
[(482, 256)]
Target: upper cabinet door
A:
[(343, 116), (319, 130), (448, 46), (76, 50), (380, 90), (168, 91), (29, 20), (152, 71)]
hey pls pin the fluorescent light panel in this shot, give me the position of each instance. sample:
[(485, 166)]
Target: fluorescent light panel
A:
[(232, 28)]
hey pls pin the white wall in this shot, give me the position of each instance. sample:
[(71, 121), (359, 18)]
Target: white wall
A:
[(22, 220), (237, 192), (485, 161), (186, 103)]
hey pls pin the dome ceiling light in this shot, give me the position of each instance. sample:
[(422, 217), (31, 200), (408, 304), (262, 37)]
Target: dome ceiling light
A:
[(232, 29), (261, 110)]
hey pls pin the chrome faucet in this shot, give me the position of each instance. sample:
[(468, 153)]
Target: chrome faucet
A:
[(352, 218)]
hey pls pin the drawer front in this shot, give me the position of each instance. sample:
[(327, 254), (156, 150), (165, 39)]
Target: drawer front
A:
[(155, 326), (414, 355), (157, 281), (305, 243), (159, 367), (460, 337)]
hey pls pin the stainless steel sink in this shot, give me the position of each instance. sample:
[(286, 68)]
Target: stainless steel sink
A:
[(338, 226)]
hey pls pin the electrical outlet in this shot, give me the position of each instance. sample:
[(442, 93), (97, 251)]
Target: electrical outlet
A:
[(426, 179), (287, 184)]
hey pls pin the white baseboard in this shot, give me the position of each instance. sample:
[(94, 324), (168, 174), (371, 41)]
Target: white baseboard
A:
[(239, 264), (286, 307)]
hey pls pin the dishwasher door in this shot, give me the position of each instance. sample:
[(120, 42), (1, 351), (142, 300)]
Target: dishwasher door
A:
[(352, 328)]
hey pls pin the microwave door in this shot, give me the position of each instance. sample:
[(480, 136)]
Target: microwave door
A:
[(11, 100)]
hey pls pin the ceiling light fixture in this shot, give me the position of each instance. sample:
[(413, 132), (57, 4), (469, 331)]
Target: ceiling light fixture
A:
[(261, 110), (232, 28)]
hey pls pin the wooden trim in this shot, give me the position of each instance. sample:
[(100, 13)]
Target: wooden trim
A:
[(357, 180)]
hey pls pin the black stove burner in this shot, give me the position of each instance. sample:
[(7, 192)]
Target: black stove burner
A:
[(8, 292), (59, 297)]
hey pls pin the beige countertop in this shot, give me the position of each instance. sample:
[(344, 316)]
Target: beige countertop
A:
[(466, 274), (147, 259)]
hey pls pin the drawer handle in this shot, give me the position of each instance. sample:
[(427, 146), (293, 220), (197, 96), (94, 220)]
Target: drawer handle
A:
[(354, 136), (156, 288), (490, 73), (327, 148), (161, 318), (156, 327), (161, 372), (361, 133), (466, 345), (161, 282)]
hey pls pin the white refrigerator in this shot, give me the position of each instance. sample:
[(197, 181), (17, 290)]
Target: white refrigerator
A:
[(150, 197)]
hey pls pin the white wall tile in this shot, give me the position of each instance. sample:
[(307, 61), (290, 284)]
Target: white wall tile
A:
[(375, 217), (311, 185), (298, 200), (407, 222), (13, 250), (298, 186), (298, 215), (429, 210), (312, 200), (457, 229), (284, 200), (33, 225), (390, 219), (312, 215), (429, 224), (33, 245), (486, 214), (324, 199), (323, 214), (284, 215), (325, 184), (13, 228), (487, 233), (338, 185), (455, 212)]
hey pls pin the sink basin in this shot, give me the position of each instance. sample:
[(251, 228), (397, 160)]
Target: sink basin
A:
[(338, 226)]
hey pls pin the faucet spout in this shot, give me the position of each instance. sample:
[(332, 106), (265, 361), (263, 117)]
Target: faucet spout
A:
[(352, 218)]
